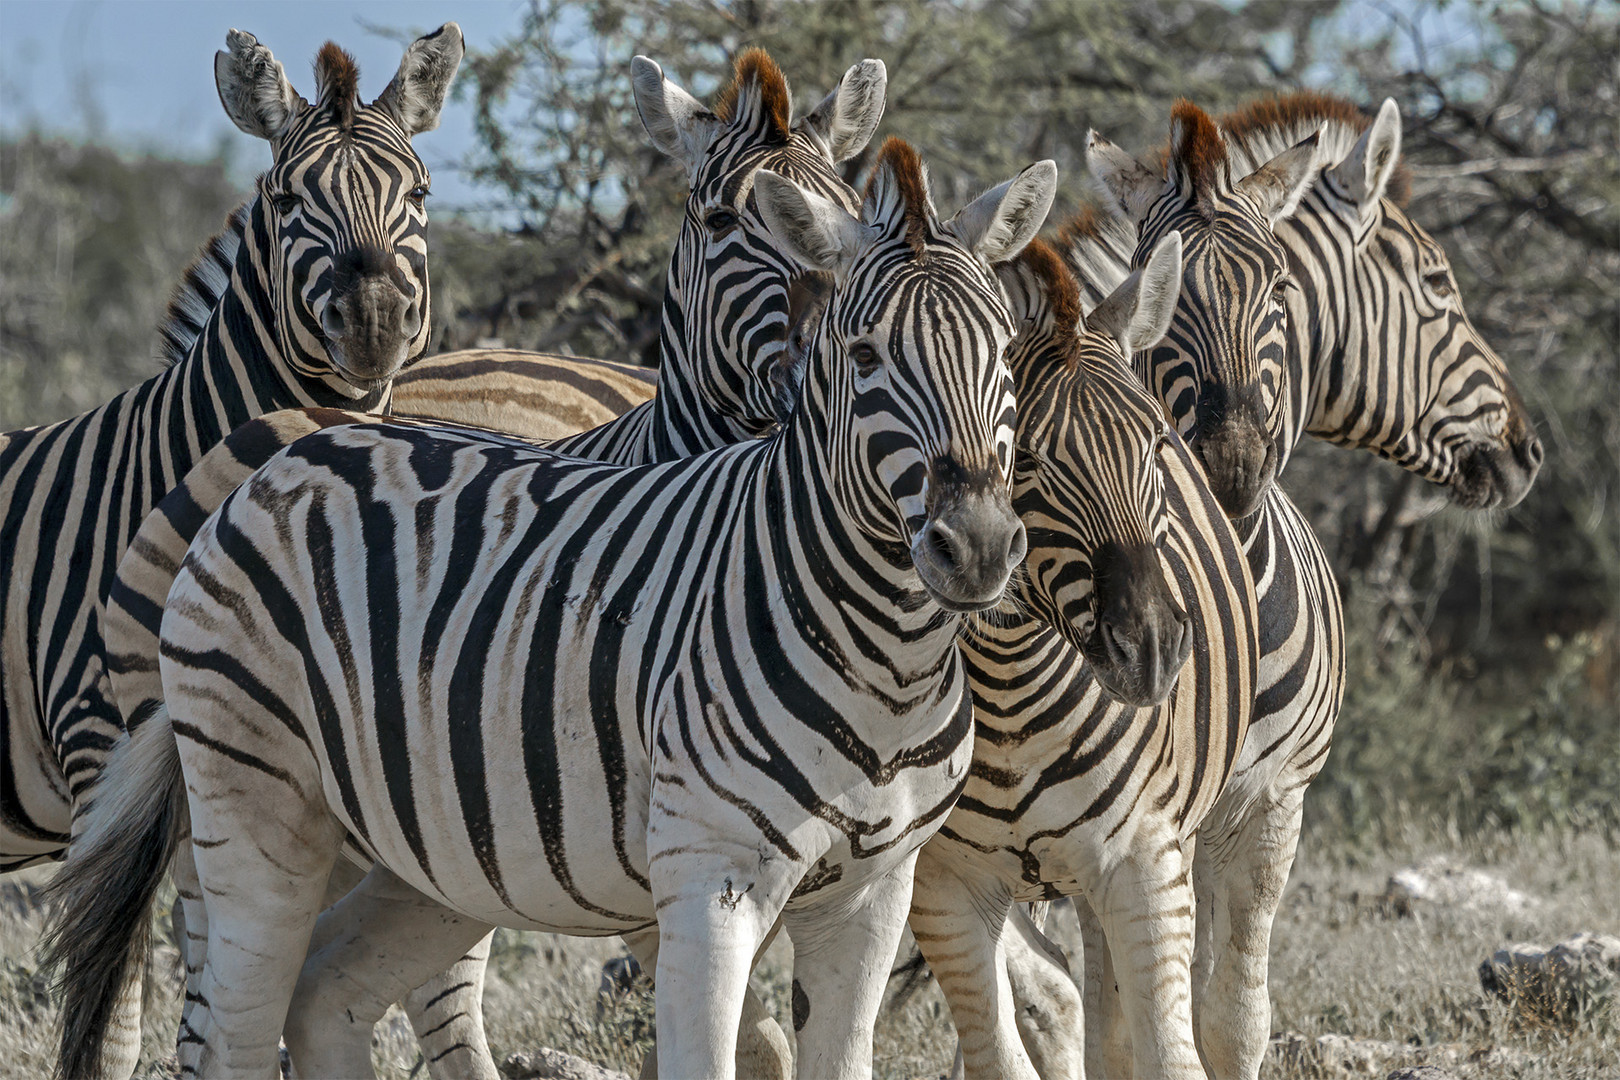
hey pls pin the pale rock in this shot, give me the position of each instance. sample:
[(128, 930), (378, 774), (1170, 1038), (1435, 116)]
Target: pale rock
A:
[(1571, 980), (1443, 883), (548, 1064)]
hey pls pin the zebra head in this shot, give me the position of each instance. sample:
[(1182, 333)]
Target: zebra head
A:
[(1090, 480), (731, 279), (340, 212), (1221, 369), (1412, 379), (908, 392)]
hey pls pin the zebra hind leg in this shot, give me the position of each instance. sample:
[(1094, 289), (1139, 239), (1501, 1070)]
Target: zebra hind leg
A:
[(264, 876), (1234, 1012), (377, 944), (1107, 1038)]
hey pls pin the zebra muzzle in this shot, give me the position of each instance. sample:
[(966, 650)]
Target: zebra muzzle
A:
[(1142, 637), (966, 551)]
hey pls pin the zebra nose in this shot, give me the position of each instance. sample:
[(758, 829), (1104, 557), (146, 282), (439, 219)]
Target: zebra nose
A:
[(1241, 462), (968, 550), (1531, 452)]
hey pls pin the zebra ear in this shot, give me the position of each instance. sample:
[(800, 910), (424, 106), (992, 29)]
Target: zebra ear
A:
[(998, 224), (253, 88), (419, 87), (818, 233), (1365, 172), (1137, 314), (1130, 185), (677, 122), (1277, 186), (847, 117)]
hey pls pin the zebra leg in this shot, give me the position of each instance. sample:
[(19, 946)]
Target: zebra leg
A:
[(380, 941), (714, 914), (264, 875), (1147, 913), (1050, 1017), (762, 1048), (189, 918), (842, 951), (959, 926), (1107, 1038), (446, 1012), (1234, 1017)]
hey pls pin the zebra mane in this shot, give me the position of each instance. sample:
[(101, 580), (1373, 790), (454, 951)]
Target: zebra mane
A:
[(1040, 266), (758, 91), (1097, 246), (1197, 153), (337, 83), (899, 174), (201, 287), (1263, 129)]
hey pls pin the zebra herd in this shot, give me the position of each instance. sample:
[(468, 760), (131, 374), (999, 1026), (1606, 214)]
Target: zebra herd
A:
[(945, 575)]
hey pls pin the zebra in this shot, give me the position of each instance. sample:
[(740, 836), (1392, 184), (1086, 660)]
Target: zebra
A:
[(792, 722), (1081, 783), (1379, 354), (323, 301), (721, 386)]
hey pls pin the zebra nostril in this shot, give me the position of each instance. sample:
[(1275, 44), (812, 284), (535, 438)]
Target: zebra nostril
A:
[(1018, 546), (939, 541), (1533, 452), (332, 323)]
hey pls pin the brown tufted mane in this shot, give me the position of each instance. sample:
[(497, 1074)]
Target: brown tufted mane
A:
[(1086, 224), (1062, 292), (905, 167), (1305, 109), (1200, 153), (337, 82), (755, 70)]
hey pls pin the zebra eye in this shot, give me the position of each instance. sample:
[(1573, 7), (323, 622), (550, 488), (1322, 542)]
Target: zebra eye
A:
[(1439, 283), (866, 358), (285, 203), (1279, 291), (720, 221), (418, 195)]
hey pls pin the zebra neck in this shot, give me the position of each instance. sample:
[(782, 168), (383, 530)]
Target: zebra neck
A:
[(837, 569), (1321, 254)]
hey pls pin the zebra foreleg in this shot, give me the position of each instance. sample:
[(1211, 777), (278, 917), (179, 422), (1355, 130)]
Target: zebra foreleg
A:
[(959, 928), (1234, 1012), (714, 915), (1147, 912), (1107, 1038), (762, 1048), (380, 941), (1049, 1012), (842, 951)]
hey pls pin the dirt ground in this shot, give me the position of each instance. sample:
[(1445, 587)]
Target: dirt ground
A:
[(1404, 989)]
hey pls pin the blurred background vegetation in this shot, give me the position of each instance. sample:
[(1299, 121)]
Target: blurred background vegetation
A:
[(1485, 649)]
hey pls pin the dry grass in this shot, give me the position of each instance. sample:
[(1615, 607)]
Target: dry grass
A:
[(1340, 965)]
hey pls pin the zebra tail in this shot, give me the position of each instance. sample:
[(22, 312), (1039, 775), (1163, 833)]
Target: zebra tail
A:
[(101, 927)]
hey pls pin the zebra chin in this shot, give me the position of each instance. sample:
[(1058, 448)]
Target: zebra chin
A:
[(1495, 476)]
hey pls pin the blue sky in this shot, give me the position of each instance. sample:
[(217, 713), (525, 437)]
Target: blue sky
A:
[(140, 73)]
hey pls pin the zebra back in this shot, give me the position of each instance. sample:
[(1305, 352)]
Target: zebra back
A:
[(326, 297)]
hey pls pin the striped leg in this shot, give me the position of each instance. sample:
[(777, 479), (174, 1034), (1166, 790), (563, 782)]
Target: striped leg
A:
[(1107, 1038), (264, 876), (959, 927), (1234, 1011), (446, 1012), (1147, 912), (1050, 1017), (189, 918), (379, 942), (842, 952)]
